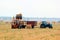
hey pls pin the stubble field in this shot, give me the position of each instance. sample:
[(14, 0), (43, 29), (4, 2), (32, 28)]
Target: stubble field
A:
[(6, 33)]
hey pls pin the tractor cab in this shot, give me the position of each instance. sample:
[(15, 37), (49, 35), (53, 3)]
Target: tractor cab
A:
[(45, 24)]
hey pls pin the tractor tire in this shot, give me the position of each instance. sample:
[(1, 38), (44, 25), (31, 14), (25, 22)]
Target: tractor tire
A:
[(42, 26), (50, 27)]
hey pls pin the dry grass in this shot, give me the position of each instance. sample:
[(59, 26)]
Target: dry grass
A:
[(6, 33)]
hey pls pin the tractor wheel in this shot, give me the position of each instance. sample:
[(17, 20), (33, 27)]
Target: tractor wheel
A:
[(42, 26), (23, 26), (50, 27)]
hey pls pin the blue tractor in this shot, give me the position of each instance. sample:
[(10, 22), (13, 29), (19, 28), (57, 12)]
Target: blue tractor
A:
[(44, 24)]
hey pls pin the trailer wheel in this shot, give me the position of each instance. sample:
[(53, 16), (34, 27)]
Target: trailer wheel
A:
[(32, 26)]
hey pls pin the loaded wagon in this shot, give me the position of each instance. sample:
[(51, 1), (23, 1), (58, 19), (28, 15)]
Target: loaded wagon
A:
[(19, 23), (28, 24)]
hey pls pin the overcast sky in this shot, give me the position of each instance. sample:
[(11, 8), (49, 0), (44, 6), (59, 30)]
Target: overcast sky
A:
[(30, 8)]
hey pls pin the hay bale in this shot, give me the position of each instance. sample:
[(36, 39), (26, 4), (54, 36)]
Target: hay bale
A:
[(28, 26), (19, 16)]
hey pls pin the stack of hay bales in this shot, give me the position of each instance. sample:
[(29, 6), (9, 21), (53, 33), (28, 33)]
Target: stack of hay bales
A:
[(38, 24), (19, 16)]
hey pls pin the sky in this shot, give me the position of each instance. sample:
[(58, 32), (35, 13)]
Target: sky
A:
[(30, 8)]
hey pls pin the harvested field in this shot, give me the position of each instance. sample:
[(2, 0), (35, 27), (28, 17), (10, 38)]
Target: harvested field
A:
[(6, 33)]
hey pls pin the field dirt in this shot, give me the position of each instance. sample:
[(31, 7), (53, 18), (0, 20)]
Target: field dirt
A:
[(6, 33)]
